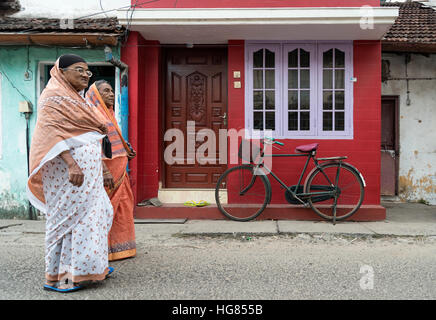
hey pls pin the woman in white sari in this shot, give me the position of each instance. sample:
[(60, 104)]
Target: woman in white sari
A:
[(66, 181)]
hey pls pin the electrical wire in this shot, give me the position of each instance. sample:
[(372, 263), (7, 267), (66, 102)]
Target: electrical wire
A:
[(164, 45), (129, 20), (131, 9), (102, 10), (12, 84), (116, 9)]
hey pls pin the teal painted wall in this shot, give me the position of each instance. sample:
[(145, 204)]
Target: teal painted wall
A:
[(14, 61)]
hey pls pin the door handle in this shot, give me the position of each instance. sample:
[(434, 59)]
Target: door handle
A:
[(224, 117), (391, 153)]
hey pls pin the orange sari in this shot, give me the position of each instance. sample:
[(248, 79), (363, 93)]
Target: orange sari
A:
[(122, 242), (121, 237)]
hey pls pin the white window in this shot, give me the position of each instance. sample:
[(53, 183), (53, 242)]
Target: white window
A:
[(264, 87), (300, 90)]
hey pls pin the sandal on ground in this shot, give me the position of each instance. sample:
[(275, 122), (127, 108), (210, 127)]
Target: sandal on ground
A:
[(202, 203), (109, 272), (55, 287), (192, 203)]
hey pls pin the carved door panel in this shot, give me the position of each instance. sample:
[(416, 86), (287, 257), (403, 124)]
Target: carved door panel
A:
[(196, 95)]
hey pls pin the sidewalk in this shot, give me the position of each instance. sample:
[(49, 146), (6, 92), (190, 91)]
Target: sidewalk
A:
[(402, 219)]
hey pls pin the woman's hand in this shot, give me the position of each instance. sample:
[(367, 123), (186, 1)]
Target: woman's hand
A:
[(131, 154), (75, 174), (108, 180), (103, 129)]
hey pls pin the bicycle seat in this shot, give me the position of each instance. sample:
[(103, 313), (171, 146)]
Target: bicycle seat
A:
[(307, 148)]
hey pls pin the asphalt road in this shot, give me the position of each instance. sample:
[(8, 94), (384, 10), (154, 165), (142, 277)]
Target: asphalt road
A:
[(226, 267)]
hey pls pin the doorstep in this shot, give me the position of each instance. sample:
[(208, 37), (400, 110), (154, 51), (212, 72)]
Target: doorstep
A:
[(272, 212)]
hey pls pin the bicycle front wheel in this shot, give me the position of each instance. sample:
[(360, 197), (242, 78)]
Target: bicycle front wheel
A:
[(345, 187), (240, 194)]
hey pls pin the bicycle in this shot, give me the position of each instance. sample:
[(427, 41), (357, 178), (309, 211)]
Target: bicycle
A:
[(334, 189)]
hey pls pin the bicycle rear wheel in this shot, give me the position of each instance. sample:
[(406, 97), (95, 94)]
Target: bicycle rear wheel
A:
[(240, 194), (349, 191)]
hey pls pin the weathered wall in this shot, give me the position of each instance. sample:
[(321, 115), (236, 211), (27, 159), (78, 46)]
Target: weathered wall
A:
[(417, 173), (70, 9), (13, 155)]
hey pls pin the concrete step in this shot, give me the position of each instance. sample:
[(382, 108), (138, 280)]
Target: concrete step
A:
[(272, 212)]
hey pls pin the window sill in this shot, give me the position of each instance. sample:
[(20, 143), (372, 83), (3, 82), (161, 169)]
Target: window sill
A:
[(308, 137)]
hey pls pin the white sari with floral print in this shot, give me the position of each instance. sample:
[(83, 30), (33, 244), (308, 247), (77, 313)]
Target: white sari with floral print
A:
[(78, 218)]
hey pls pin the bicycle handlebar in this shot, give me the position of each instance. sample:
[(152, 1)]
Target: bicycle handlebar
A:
[(276, 142)]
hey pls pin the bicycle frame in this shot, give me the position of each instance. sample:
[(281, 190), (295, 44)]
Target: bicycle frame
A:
[(296, 194), (333, 188)]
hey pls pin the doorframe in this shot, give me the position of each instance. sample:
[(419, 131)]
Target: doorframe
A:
[(162, 105), (396, 99)]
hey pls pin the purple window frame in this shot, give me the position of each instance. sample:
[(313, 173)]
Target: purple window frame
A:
[(287, 48), (316, 49), (250, 87), (348, 90)]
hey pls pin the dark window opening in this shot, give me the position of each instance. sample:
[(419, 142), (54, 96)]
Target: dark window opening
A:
[(98, 73)]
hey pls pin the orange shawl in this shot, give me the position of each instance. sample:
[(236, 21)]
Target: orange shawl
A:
[(119, 145), (65, 120)]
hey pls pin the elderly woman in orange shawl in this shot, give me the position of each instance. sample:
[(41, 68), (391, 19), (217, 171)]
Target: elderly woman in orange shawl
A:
[(66, 180), (122, 242)]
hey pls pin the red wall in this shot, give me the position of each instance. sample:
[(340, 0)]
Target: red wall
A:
[(143, 58), (363, 151), (145, 133), (367, 115), (236, 97), (130, 54), (148, 126), (254, 3)]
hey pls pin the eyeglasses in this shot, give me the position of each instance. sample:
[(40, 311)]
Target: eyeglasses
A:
[(81, 71)]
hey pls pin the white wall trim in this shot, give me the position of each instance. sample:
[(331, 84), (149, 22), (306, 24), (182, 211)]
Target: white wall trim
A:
[(215, 26), (201, 16)]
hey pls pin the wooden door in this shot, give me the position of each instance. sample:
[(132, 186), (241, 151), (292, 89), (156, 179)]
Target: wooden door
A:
[(195, 92), (389, 146)]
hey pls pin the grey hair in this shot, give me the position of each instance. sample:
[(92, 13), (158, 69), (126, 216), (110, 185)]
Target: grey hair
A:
[(100, 82)]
